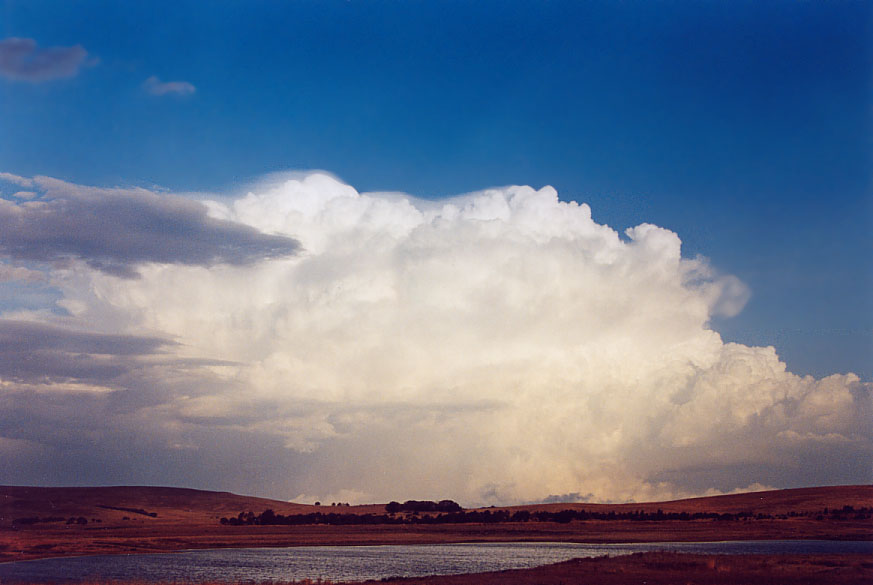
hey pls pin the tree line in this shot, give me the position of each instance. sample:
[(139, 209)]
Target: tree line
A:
[(422, 506), (271, 518), (449, 512)]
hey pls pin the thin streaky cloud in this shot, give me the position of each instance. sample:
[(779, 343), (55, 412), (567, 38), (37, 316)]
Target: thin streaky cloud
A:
[(19, 336), (117, 230), (22, 60), (46, 354)]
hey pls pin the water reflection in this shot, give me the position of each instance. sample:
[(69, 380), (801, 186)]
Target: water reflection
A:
[(354, 563)]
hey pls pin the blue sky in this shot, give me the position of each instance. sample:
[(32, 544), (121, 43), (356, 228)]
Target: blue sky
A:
[(744, 127)]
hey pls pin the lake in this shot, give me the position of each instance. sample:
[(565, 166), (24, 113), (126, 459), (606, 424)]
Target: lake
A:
[(354, 563)]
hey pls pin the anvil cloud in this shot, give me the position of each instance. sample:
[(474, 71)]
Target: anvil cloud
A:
[(494, 347)]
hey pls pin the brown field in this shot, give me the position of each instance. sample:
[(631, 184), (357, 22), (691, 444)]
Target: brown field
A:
[(147, 519)]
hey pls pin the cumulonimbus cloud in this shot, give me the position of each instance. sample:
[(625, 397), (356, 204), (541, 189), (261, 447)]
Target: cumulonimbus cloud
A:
[(22, 60), (155, 86), (495, 347), (115, 230)]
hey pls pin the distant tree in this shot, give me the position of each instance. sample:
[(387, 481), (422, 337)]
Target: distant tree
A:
[(521, 516), (268, 517)]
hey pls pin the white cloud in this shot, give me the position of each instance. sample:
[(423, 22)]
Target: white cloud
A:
[(495, 347), (17, 180), (155, 86), (20, 273)]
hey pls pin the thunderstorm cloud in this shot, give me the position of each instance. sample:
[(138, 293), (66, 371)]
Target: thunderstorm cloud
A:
[(309, 340)]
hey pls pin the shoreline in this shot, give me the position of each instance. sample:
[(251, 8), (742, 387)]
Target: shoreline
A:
[(35, 544)]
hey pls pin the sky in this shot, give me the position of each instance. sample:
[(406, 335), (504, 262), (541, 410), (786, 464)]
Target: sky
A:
[(497, 252)]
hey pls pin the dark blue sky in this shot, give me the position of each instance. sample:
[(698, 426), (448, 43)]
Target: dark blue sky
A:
[(743, 126)]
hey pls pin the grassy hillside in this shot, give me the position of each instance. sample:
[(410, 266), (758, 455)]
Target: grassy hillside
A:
[(111, 505)]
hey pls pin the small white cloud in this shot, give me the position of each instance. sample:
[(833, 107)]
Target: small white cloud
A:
[(16, 180), (20, 273), (22, 60), (155, 86)]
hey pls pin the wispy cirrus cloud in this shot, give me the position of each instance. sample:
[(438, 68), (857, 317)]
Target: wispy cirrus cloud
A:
[(115, 230), (155, 86), (22, 60)]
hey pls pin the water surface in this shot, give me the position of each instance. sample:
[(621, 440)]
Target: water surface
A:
[(357, 563)]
